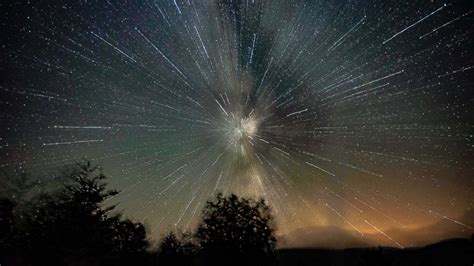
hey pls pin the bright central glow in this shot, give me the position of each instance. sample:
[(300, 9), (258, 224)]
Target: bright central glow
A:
[(241, 129), (247, 127)]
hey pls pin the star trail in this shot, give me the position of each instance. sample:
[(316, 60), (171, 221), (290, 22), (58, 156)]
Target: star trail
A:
[(351, 114)]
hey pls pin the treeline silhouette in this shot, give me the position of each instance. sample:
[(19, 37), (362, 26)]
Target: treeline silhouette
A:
[(71, 225)]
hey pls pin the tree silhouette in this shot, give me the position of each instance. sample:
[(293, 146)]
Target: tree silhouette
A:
[(173, 247), (15, 185), (6, 225), (238, 229), (170, 246), (72, 224), (177, 251)]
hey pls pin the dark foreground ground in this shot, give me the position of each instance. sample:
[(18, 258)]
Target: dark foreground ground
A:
[(453, 252), (449, 252)]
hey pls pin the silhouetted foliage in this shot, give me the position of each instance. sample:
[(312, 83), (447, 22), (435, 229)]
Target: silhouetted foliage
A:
[(171, 246), (72, 224), (177, 251), (239, 229), (14, 185), (6, 224)]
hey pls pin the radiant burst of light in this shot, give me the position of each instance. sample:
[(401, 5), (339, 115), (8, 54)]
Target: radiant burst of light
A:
[(243, 128)]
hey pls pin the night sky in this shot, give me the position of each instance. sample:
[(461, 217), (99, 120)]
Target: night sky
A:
[(351, 118)]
